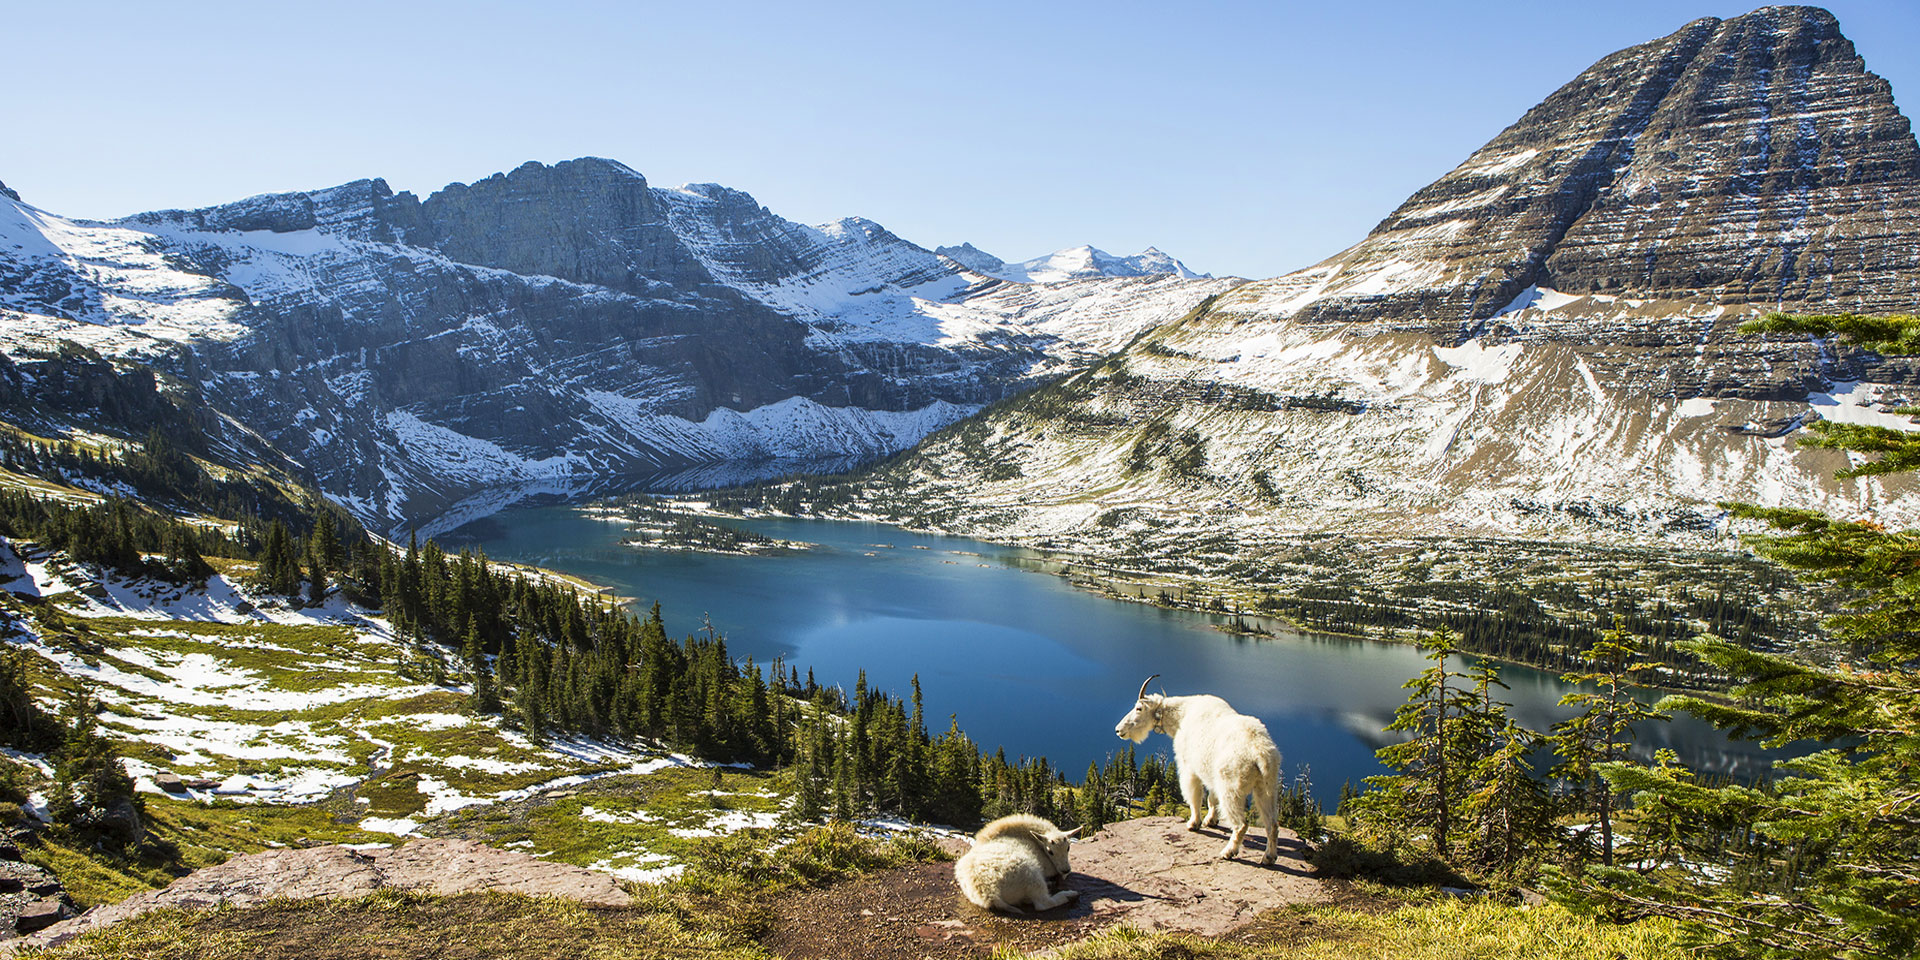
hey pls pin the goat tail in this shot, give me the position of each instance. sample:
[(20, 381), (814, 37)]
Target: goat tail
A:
[(1268, 765)]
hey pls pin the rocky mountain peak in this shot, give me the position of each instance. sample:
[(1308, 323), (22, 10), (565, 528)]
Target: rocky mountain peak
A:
[(972, 257), (588, 220), (1544, 342), (1073, 263), (360, 210), (1753, 160), (8, 193)]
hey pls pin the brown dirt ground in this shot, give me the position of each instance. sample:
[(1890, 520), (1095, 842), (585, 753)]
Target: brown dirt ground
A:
[(917, 913)]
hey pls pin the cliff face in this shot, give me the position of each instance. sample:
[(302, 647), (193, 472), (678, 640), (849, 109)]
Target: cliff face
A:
[(1541, 342), (1744, 161), (551, 324)]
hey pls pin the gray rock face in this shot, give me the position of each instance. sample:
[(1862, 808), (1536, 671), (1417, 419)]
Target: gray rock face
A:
[(31, 898), (972, 257), (550, 325), (435, 866)]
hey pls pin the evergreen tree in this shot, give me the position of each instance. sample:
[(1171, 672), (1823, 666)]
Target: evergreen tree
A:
[(486, 699), (323, 558), (92, 794), (183, 559), (1425, 792), (1602, 732), (1825, 859), (23, 725), (279, 562)]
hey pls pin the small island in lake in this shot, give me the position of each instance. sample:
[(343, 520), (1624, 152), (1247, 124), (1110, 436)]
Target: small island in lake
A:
[(657, 524)]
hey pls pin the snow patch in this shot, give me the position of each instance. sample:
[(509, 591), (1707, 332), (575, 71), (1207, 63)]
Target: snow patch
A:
[(1478, 362), (1856, 402)]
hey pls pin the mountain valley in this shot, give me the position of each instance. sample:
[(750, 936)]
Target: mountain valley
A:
[(1526, 407)]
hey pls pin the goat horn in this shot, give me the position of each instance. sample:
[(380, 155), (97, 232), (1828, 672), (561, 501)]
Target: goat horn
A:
[(1143, 687)]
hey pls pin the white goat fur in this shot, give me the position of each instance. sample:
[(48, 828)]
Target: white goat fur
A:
[(1052, 843), (1009, 865), (1222, 756)]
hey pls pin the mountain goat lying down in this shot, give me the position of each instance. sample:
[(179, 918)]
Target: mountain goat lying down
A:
[(1010, 862), (1221, 755)]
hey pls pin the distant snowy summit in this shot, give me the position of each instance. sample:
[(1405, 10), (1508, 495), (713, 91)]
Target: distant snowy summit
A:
[(1073, 263)]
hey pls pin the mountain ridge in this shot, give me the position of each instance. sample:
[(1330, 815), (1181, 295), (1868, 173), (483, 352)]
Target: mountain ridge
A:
[(1070, 263), (547, 324), (1432, 381)]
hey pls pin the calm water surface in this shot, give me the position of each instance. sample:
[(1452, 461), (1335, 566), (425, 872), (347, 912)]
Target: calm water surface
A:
[(1022, 659)]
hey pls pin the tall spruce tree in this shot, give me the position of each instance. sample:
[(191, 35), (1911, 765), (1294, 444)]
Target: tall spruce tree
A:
[(1505, 806), (1431, 768), (1824, 859), (1601, 733)]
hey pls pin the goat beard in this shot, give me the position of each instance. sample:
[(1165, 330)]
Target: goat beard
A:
[(1140, 736)]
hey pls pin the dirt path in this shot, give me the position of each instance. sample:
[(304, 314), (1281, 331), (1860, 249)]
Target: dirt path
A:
[(1151, 873)]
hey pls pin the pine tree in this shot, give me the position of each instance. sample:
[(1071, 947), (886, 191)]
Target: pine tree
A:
[(1602, 732), (1825, 859), (279, 562), (184, 562), (92, 794), (486, 698), (323, 558), (1427, 789)]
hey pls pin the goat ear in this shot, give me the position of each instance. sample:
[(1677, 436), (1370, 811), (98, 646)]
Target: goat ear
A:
[(1070, 833)]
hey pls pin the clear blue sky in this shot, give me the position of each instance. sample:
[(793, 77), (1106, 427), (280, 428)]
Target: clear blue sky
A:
[(1244, 137)]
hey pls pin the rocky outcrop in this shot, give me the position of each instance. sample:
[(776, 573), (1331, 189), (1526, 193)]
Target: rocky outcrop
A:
[(1151, 874), (1155, 874), (433, 866), (31, 897)]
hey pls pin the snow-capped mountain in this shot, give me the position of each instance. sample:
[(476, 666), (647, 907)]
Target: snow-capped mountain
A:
[(1073, 263), (1543, 342), (554, 322)]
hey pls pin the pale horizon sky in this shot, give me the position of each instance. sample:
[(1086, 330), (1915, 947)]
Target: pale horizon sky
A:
[(1244, 138)]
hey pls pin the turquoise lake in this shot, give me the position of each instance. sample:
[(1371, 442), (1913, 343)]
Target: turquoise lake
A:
[(1024, 660)]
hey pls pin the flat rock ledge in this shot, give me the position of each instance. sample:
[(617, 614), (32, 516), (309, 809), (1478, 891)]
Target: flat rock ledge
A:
[(1150, 873), (435, 866), (1156, 874)]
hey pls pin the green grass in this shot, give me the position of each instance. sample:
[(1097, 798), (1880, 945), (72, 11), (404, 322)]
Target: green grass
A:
[(184, 836), (388, 924), (298, 658), (717, 911), (633, 819), (1447, 929)]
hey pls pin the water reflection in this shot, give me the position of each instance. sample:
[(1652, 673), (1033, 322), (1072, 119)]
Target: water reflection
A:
[(1025, 662)]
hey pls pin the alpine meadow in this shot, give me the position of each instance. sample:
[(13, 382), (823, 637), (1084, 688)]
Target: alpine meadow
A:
[(564, 564)]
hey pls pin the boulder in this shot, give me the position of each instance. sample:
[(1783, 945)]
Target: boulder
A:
[(40, 914), (434, 866), (31, 899)]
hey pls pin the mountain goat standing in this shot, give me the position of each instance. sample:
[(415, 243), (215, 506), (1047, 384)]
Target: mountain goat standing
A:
[(1010, 862), (1221, 755)]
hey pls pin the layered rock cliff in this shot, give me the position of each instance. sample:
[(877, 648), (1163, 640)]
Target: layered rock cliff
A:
[(1543, 342)]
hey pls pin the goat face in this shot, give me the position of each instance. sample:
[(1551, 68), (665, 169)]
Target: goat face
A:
[(1057, 844), (1139, 721)]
